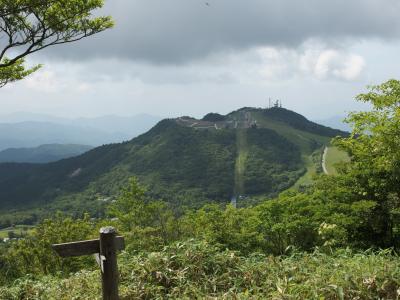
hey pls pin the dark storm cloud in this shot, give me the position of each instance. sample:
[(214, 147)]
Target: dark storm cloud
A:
[(179, 31)]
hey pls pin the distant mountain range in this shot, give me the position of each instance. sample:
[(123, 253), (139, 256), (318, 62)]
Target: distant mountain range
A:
[(185, 161), (32, 130), (335, 122), (43, 153)]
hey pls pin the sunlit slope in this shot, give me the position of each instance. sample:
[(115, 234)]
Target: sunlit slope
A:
[(305, 140)]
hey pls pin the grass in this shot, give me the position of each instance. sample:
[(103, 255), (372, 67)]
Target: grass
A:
[(242, 152), (333, 157), (197, 270), (313, 162), (298, 137), (19, 230), (307, 178)]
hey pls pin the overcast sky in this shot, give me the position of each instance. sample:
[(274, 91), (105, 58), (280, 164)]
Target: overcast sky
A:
[(190, 57)]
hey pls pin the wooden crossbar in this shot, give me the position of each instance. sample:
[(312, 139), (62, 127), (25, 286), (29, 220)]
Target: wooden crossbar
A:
[(105, 248), (85, 247)]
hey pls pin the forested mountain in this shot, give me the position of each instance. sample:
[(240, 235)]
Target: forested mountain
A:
[(184, 161), (43, 153)]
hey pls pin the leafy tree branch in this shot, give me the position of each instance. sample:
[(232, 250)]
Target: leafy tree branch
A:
[(28, 26)]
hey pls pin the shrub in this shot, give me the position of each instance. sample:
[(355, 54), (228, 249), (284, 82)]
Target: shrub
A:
[(197, 270)]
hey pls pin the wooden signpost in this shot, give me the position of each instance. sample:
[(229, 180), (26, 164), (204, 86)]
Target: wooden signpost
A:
[(105, 249)]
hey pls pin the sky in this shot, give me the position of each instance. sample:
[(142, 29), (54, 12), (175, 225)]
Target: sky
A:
[(190, 57)]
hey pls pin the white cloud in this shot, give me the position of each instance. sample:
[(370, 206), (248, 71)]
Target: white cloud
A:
[(57, 78), (276, 64), (344, 66), (44, 81), (353, 65), (325, 62), (183, 31), (311, 60), (84, 87), (257, 66)]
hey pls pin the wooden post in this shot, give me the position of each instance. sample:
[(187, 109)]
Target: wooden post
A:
[(105, 250), (108, 257)]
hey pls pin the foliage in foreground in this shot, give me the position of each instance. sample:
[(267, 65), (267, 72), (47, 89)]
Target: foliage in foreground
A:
[(196, 269), (358, 208), (303, 220)]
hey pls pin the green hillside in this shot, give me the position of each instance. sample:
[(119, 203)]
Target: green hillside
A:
[(184, 161)]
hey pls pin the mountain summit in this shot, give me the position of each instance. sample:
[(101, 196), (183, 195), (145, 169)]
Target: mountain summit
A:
[(184, 161)]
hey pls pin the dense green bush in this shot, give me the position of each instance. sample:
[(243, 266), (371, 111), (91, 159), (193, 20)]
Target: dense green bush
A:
[(321, 216), (34, 255)]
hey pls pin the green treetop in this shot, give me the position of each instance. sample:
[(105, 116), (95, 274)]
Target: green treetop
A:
[(373, 174), (28, 26)]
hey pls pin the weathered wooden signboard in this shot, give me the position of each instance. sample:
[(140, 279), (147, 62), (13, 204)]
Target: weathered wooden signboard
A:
[(105, 250)]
